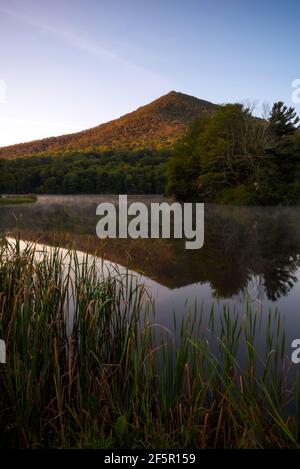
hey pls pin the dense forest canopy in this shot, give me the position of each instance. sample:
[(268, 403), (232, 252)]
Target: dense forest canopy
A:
[(133, 172), (233, 157)]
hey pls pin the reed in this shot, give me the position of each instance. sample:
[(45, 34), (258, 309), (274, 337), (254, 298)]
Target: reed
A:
[(88, 367)]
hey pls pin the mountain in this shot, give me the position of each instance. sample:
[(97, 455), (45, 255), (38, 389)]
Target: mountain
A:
[(155, 126)]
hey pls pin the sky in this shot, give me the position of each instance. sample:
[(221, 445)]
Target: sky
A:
[(67, 65)]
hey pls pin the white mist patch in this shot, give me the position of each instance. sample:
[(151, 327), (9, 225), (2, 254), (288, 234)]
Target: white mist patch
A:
[(154, 222)]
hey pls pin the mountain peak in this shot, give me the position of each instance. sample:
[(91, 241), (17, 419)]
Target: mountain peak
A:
[(156, 125), (173, 92)]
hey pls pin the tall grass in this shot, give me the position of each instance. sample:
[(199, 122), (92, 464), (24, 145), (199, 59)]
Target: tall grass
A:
[(88, 368)]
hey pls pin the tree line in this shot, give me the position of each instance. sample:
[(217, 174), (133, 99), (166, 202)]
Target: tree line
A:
[(139, 172)]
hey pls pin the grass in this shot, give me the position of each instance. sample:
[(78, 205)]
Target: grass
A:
[(17, 199), (88, 368)]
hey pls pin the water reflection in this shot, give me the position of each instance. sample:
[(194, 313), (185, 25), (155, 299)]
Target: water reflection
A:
[(253, 252)]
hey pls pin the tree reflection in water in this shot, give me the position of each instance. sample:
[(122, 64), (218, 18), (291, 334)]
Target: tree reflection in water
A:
[(246, 249)]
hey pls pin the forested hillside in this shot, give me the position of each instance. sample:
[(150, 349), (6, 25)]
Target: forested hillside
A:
[(155, 126)]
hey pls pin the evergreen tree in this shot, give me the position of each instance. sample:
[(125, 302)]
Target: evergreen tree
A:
[(281, 171), (283, 120)]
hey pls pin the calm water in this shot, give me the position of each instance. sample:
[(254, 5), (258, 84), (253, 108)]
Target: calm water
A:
[(249, 254)]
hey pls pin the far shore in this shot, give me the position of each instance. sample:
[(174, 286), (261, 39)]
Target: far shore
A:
[(17, 199)]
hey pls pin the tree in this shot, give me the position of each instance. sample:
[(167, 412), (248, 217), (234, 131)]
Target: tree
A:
[(283, 120), (184, 166), (215, 155), (223, 150), (280, 173)]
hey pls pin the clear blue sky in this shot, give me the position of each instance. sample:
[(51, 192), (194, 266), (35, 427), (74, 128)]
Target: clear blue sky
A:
[(72, 64)]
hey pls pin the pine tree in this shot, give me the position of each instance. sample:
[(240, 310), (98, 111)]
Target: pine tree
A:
[(283, 120)]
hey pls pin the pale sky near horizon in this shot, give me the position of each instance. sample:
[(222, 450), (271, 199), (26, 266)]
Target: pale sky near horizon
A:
[(67, 65)]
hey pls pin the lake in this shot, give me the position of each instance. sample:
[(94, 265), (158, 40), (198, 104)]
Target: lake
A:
[(250, 254)]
